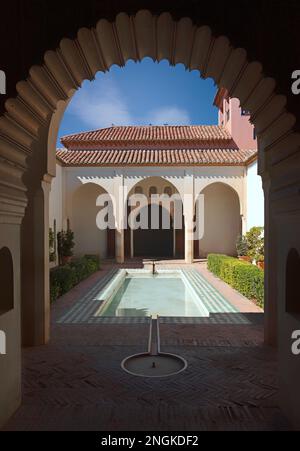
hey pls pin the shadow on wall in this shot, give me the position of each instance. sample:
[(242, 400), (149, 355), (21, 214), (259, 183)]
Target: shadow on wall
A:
[(6, 281)]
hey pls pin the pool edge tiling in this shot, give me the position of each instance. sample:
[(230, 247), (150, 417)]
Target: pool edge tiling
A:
[(88, 309)]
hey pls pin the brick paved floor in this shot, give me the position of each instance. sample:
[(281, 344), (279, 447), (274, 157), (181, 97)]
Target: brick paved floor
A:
[(76, 382)]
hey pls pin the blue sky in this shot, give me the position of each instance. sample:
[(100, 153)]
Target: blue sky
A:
[(141, 94)]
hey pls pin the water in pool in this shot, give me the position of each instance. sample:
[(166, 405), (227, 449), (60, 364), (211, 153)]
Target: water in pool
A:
[(153, 296)]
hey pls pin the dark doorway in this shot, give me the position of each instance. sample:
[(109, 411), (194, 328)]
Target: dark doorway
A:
[(155, 243), (180, 241), (111, 243)]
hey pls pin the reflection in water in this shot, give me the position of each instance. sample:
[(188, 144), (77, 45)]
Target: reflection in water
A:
[(153, 296)]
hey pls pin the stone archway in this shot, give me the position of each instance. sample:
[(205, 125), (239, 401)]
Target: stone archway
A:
[(222, 220), (89, 239), (27, 130), (166, 211), (25, 133)]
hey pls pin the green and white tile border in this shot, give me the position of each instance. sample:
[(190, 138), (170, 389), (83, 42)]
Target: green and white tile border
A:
[(215, 307)]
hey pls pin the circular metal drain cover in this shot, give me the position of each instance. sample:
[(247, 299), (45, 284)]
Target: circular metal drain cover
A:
[(161, 365)]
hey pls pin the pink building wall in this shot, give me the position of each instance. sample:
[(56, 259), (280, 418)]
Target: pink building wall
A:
[(238, 124)]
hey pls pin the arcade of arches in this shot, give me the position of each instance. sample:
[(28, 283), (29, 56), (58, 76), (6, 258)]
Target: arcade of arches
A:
[(28, 133), (222, 224)]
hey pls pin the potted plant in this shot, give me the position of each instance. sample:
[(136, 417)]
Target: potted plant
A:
[(242, 248), (261, 262), (66, 245)]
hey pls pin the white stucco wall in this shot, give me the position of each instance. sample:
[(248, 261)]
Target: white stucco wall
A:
[(56, 202), (222, 220), (69, 200), (89, 239), (255, 198)]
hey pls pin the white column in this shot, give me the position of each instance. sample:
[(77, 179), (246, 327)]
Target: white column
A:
[(189, 239), (189, 213), (131, 243), (35, 267), (244, 224), (119, 199)]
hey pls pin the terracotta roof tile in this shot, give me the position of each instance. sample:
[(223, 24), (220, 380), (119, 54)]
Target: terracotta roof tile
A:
[(114, 157), (161, 145), (122, 136)]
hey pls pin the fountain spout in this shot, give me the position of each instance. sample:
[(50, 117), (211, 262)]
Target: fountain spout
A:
[(153, 268)]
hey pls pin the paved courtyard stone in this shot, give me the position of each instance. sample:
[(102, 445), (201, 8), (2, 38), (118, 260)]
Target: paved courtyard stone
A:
[(76, 382)]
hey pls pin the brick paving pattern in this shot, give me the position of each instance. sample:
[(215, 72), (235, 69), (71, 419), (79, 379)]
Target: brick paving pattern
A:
[(76, 382)]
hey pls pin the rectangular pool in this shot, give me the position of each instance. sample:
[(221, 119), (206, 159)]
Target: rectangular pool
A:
[(140, 294)]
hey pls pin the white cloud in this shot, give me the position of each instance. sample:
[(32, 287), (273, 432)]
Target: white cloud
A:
[(104, 104), (101, 105), (170, 115)]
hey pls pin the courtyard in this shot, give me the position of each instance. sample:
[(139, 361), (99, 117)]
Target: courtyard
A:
[(94, 124), (76, 382)]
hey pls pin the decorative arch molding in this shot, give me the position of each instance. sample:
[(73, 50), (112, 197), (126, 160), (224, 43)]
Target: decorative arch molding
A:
[(106, 184), (27, 120), (167, 181)]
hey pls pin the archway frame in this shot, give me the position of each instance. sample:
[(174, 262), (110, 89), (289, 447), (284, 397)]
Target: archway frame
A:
[(167, 182), (237, 195), (72, 214), (26, 145), (26, 129), (227, 184)]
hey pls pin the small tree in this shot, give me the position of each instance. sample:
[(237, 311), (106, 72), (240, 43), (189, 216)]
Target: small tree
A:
[(255, 240), (68, 243), (242, 246)]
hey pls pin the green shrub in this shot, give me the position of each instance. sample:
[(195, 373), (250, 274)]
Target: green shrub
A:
[(64, 278), (242, 276), (54, 291), (93, 260)]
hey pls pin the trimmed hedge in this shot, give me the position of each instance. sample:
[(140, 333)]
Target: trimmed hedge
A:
[(242, 276), (64, 278)]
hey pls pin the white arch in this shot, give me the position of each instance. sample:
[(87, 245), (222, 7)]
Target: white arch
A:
[(177, 186), (96, 182), (234, 187)]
